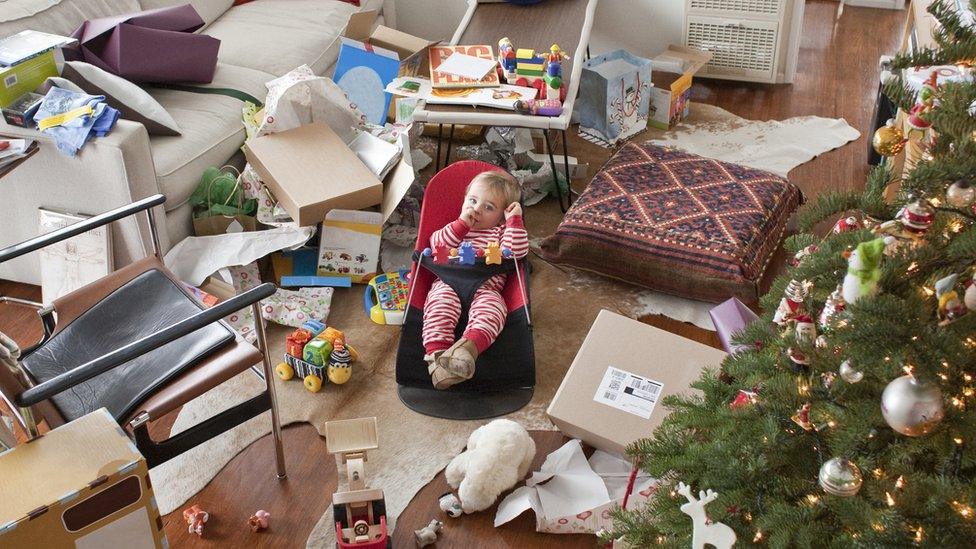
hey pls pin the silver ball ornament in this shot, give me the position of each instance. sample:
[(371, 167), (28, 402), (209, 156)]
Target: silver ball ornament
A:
[(912, 407), (840, 477), (960, 194), (848, 373)]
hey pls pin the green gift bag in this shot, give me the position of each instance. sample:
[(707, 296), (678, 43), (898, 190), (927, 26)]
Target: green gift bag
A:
[(219, 205)]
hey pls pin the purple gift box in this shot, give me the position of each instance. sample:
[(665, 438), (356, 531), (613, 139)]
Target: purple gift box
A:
[(150, 46), (729, 318)]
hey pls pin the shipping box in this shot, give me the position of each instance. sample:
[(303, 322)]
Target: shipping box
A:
[(611, 394), (83, 485), (311, 171), (669, 100)]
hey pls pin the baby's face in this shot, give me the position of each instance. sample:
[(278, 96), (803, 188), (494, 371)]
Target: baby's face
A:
[(484, 209)]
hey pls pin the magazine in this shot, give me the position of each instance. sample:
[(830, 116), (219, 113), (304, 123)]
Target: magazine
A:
[(439, 54)]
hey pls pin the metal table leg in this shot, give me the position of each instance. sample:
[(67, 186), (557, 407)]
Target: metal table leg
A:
[(555, 176), (437, 157), (450, 142)]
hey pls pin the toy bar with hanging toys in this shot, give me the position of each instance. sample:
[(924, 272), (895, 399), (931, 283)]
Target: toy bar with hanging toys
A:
[(317, 354)]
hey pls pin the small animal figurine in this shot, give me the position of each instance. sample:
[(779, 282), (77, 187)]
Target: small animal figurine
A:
[(259, 520), (493, 253), (863, 270), (705, 532), (466, 253), (428, 534), (339, 370), (452, 254), (441, 255), (450, 504), (195, 518)]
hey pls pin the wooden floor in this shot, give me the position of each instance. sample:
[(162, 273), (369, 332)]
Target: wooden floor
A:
[(837, 77)]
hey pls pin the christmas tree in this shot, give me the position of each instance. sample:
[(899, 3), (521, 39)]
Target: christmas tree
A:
[(850, 419)]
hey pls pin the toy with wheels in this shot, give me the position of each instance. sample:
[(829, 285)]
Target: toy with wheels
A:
[(316, 360), (359, 511)]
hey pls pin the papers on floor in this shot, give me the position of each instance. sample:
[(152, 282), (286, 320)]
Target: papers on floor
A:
[(379, 156), (466, 66)]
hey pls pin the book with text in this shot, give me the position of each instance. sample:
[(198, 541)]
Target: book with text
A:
[(439, 54)]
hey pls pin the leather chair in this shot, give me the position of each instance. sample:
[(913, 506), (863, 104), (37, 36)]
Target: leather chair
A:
[(136, 342)]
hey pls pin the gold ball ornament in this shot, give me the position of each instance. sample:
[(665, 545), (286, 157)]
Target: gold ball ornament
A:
[(888, 140)]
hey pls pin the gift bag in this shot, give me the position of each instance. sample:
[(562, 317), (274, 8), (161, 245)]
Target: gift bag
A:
[(613, 97), (220, 204), (150, 46)]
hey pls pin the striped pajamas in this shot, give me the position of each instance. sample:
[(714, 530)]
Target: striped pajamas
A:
[(487, 314)]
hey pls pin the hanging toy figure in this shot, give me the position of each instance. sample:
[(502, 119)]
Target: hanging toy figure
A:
[(792, 303), (704, 531), (863, 270), (917, 118), (951, 307)]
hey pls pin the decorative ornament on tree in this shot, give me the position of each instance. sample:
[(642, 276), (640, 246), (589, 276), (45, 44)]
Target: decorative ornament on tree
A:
[(834, 305), (969, 298), (863, 270), (805, 330), (802, 417), (743, 399), (840, 477), (799, 362), (889, 140), (848, 373), (918, 115), (917, 216), (846, 224), (705, 532), (792, 303), (951, 306), (961, 194), (912, 407), (802, 254)]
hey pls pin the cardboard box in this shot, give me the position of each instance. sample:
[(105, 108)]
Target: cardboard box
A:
[(611, 394), (25, 76), (21, 112), (311, 171), (83, 485), (393, 52), (670, 102)]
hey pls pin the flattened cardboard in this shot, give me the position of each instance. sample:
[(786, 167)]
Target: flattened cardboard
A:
[(311, 171), (631, 346), (83, 484), (671, 103)]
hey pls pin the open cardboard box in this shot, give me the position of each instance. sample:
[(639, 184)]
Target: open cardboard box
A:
[(310, 171), (670, 102), (611, 394)]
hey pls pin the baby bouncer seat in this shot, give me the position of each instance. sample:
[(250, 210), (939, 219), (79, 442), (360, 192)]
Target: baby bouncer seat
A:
[(504, 377)]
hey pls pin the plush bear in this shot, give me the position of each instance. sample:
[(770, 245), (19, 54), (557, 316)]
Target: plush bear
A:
[(497, 457)]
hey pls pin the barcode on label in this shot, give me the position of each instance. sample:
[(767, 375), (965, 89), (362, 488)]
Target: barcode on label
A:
[(10, 81), (609, 395)]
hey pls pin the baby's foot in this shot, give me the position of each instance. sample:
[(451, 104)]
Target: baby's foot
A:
[(460, 358)]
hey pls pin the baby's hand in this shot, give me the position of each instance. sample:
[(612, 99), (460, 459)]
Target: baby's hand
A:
[(512, 210), (467, 216)]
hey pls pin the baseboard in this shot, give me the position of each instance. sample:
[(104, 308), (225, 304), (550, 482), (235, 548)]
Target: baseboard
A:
[(886, 4)]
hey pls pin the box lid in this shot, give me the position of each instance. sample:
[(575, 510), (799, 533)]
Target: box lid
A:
[(310, 170), (62, 462), (683, 60), (609, 410), (360, 28)]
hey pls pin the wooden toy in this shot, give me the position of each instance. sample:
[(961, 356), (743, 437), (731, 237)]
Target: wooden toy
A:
[(428, 534), (390, 291), (506, 59), (440, 255), (195, 518), (452, 254), (339, 370), (466, 253), (493, 253), (529, 66), (359, 511), (259, 520)]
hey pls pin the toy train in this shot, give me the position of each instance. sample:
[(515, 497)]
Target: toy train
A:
[(317, 354), (526, 67)]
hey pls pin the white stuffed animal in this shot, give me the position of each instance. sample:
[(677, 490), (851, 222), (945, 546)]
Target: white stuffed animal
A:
[(497, 457)]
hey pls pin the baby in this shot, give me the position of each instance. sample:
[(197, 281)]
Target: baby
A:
[(491, 211)]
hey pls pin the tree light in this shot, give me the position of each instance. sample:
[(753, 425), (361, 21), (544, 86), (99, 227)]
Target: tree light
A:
[(964, 510), (900, 483), (813, 499), (758, 537), (891, 500), (918, 535)]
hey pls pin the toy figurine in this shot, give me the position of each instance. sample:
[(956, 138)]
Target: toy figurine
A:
[(466, 253), (792, 303), (845, 224), (951, 307), (358, 511), (195, 518), (969, 297), (428, 534), (805, 329), (450, 504), (259, 520), (917, 117), (440, 255), (295, 342), (339, 370), (493, 253), (537, 107), (802, 417), (506, 59), (556, 54), (863, 270)]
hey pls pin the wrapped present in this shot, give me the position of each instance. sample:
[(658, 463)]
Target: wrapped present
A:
[(729, 318)]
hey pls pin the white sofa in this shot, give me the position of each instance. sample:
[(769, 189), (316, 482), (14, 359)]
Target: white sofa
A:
[(260, 40)]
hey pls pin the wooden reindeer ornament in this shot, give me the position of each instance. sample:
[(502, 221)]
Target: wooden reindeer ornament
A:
[(716, 534)]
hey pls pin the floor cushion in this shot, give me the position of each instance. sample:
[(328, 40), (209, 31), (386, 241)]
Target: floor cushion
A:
[(677, 223)]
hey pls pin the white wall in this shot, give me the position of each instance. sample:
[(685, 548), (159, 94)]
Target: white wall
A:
[(643, 27)]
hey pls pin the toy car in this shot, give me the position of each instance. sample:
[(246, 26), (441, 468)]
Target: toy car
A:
[(359, 511), (311, 358)]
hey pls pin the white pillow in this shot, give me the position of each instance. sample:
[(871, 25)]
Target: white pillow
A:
[(132, 101)]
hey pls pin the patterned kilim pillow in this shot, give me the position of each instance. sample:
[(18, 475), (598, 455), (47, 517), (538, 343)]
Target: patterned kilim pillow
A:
[(677, 222)]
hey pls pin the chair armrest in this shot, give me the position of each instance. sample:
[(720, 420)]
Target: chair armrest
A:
[(75, 229), (83, 373)]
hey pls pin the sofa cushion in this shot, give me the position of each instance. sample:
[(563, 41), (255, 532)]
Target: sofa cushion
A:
[(209, 10), (58, 16), (275, 36), (212, 130), (677, 222)]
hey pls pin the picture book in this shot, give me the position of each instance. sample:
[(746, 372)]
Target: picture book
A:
[(75, 262), (502, 97), (439, 54)]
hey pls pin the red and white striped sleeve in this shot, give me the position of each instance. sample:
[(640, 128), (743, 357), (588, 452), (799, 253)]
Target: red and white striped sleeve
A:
[(451, 235), (515, 237)]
